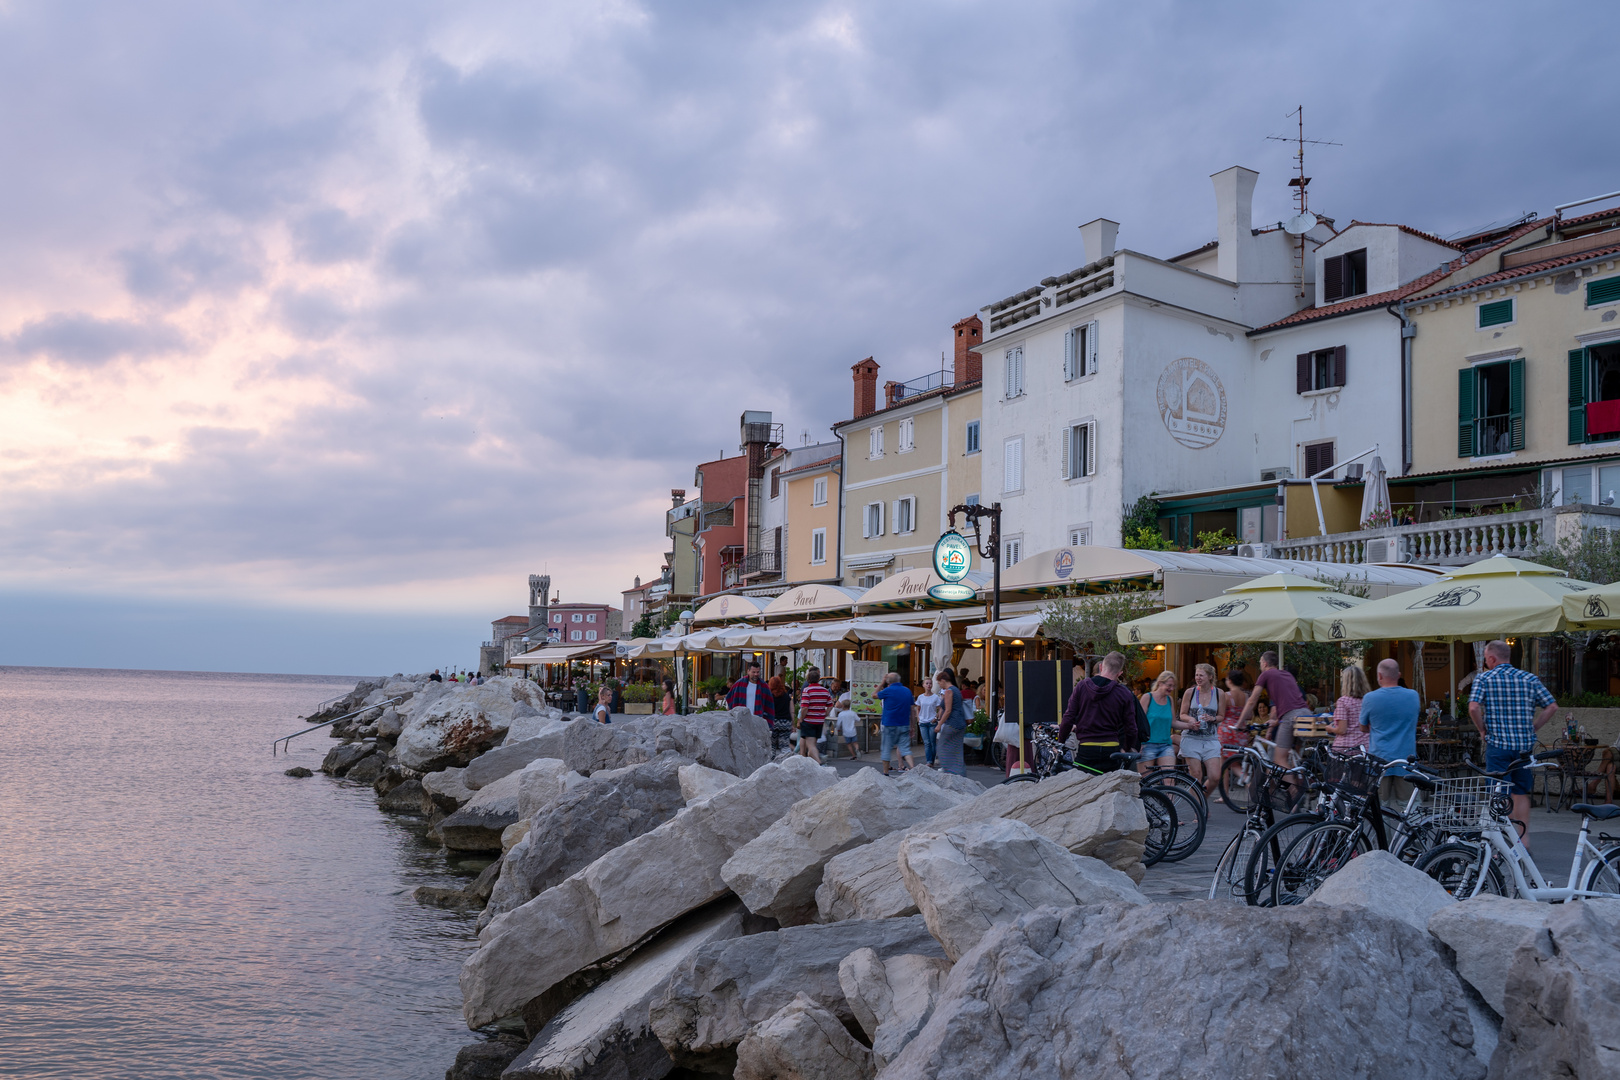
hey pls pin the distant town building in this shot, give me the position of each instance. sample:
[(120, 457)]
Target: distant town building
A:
[(582, 624), (799, 516)]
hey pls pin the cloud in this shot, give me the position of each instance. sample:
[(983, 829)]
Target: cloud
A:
[(82, 339)]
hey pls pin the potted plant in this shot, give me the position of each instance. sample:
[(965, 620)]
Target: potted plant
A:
[(639, 698)]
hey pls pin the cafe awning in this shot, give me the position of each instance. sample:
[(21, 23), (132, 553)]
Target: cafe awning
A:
[(729, 608), (562, 654), (908, 590), (803, 600)]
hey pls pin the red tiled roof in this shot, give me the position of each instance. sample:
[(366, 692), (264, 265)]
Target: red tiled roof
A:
[(938, 391), (1531, 269), (1565, 223), (1416, 285), (820, 464)]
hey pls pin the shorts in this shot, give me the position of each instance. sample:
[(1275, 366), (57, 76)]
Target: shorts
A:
[(896, 740), (1201, 747), (1497, 759), (1284, 736), (807, 730), (849, 740), (1153, 751)]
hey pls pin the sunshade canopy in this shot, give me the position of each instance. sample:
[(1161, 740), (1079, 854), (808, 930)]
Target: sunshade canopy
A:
[(909, 589), (1025, 626), (1491, 598), (1595, 609), (728, 608), (1277, 607), (802, 600), (561, 654)]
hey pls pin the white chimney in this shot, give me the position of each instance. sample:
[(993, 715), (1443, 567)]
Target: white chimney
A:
[(1097, 238), (1234, 223)]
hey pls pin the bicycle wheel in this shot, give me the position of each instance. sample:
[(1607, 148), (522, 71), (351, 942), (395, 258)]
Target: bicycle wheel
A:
[(1314, 856), (1603, 874), (1022, 778), (1456, 867), (1177, 778), (1190, 822), (996, 758), (1161, 833), (1227, 884), (1268, 850), (1237, 777)]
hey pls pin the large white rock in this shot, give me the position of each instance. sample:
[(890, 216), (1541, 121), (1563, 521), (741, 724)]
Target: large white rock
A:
[(736, 742), (1125, 991), (1381, 882), (491, 765), (434, 715), (803, 1041), (892, 999), (627, 893), (604, 1035), (1484, 933), (972, 877), (1100, 816), (777, 873), (543, 721), (700, 781), (1562, 1015), (478, 825), (542, 782), (445, 791)]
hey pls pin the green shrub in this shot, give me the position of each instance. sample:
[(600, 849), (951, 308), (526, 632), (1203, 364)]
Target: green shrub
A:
[(643, 693)]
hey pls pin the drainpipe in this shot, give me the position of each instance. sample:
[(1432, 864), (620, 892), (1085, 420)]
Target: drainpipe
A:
[(1408, 332)]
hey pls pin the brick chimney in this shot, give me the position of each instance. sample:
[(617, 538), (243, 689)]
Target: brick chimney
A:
[(969, 364), (866, 373)]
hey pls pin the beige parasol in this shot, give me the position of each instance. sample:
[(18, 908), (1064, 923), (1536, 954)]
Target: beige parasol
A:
[(1277, 607)]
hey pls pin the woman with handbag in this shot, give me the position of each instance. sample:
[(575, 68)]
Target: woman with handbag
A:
[(953, 722)]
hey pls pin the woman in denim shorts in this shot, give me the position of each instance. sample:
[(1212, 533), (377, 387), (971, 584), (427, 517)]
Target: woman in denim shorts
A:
[(1160, 706)]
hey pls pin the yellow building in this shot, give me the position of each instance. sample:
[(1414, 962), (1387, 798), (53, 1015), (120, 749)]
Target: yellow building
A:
[(810, 534), (1516, 376)]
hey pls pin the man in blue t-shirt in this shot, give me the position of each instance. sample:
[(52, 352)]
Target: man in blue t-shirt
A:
[(1390, 715), (897, 702)]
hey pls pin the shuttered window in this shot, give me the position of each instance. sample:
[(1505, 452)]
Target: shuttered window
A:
[(1496, 314), (1012, 551), (1012, 465), (1490, 409), (1080, 351), (1318, 456), (1577, 396), (1344, 276), (908, 435), (973, 437), (1015, 372), (905, 514), (872, 520), (1079, 458), (1324, 369), (776, 482), (818, 546), (874, 442), (1605, 291)]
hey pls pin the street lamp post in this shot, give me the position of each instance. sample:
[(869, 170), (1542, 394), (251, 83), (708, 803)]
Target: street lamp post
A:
[(989, 547)]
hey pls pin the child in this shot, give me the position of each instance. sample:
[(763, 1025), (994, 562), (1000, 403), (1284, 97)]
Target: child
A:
[(604, 705), (847, 719)]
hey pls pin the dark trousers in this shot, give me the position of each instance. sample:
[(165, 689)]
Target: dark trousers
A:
[(1099, 758)]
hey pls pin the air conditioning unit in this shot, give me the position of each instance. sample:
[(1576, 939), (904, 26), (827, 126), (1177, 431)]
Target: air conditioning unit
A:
[(1353, 472), (1386, 549), (1254, 551), (1280, 473)]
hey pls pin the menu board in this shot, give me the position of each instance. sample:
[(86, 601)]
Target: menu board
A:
[(866, 679)]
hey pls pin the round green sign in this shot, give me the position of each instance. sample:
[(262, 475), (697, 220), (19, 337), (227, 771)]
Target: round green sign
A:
[(953, 557)]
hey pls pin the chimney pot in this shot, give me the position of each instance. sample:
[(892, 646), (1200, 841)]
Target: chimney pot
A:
[(1234, 223)]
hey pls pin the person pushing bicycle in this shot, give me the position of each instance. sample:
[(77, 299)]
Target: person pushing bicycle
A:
[(1103, 714)]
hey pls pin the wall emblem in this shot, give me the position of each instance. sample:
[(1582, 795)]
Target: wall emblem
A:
[(1063, 563), (1192, 403)]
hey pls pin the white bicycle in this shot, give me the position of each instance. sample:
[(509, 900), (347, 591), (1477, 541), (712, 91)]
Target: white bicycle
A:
[(1493, 859)]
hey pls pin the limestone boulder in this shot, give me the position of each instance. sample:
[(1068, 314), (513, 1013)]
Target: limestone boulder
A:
[(627, 893), (491, 765), (892, 999), (700, 781), (541, 782), (606, 1034), (1099, 816), (514, 834), (389, 725), (777, 873), (469, 897), (532, 723), (478, 825), (406, 797), (1106, 991), (736, 742), (963, 785), (802, 1041), (582, 822), (444, 791), (484, 1060), (1562, 997), (368, 769), (722, 991), (1381, 882), (972, 877), (453, 726), (1484, 934), (345, 756)]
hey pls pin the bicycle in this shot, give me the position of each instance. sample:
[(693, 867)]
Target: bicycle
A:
[(1239, 772), (1467, 868), (1233, 872)]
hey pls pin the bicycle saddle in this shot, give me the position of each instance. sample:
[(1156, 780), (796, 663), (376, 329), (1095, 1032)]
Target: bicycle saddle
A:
[(1125, 755), (1596, 813)]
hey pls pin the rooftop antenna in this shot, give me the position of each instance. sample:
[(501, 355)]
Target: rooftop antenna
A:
[(1304, 221)]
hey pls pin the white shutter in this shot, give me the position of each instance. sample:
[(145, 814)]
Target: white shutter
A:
[(1013, 465), (878, 508), (1068, 449), (1090, 463), (1091, 349), (1015, 371), (1070, 354), (866, 521)]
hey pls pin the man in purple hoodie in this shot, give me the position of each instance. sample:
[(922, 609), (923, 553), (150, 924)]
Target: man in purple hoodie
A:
[(1102, 714)]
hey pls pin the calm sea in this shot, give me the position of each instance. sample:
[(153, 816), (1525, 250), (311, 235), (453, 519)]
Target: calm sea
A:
[(172, 905)]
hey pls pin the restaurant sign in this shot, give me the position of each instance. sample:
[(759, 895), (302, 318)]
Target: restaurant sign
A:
[(953, 558)]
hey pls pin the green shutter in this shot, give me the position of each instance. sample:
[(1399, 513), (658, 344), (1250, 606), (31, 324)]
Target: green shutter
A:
[(1495, 314), (1516, 404), (1577, 396), (1606, 291), (1465, 412)]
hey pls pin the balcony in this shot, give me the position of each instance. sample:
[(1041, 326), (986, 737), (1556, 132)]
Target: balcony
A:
[(762, 564), (1454, 541)]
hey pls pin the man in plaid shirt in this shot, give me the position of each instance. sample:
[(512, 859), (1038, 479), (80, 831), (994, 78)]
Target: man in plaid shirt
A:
[(1509, 706)]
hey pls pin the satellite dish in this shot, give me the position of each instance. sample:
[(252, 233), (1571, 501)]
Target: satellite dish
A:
[(1300, 224)]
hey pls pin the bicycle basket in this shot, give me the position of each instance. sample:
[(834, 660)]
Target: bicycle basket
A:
[(1462, 803), (1351, 775)]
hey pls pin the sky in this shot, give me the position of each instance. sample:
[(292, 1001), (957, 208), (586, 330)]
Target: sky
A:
[(323, 325)]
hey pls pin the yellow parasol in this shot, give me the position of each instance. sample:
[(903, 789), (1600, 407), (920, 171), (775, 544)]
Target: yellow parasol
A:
[(1277, 607), (1595, 609)]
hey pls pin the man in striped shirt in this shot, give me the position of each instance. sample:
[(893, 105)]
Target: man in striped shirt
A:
[(815, 701)]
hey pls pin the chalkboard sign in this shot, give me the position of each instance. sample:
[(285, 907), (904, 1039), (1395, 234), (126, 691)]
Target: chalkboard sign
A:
[(1037, 690)]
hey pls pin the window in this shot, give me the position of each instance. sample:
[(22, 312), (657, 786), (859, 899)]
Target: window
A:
[(1080, 352), (1594, 394), (590, 635), (908, 435), (1496, 313), (1080, 450), (1318, 456), (972, 500), (1079, 535), (905, 514), (591, 617), (818, 546), (874, 442), (1319, 370), (1012, 465), (556, 618), (573, 635), (1605, 291), (872, 520), (577, 617), (1015, 372), (1577, 486), (868, 580), (776, 482), (818, 494), (973, 436), (1344, 276), (1490, 409), (1012, 549)]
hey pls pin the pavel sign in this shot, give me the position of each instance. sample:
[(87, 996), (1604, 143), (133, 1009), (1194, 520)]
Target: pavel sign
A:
[(953, 558)]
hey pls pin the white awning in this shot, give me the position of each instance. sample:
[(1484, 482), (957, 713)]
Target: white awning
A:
[(728, 608), (562, 654), (812, 600)]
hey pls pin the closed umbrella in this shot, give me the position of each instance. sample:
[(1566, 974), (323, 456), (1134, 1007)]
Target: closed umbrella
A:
[(1375, 492), (1277, 607), (1494, 597), (941, 642)]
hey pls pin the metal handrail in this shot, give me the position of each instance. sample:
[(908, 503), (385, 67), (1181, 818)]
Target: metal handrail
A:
[(328, 723)]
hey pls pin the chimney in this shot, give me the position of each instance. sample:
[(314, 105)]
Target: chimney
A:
[(969, 367), (637, 585), (891, 394), (1097, 238), (678, 496), (1234, 223), (865, 387)]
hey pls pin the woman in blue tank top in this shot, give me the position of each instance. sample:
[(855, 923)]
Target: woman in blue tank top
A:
[(1159, 704)]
